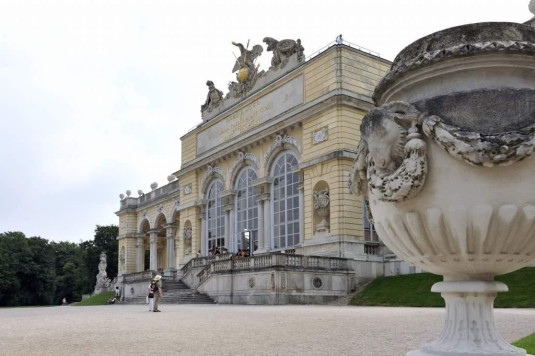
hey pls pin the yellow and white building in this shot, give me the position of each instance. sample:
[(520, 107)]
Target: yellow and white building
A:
[(274, 162)]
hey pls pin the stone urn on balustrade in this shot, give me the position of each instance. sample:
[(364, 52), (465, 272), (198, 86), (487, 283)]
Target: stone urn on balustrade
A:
[(445, 162)]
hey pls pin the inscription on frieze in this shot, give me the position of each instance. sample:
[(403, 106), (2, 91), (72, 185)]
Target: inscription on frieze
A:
[(256, 113)]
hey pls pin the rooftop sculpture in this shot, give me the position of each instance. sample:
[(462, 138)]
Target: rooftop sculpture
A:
[(283, 50), (213, 98), (287, 54), (246, 70)]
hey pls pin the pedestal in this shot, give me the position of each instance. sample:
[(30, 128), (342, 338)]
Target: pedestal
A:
[(469, 328)]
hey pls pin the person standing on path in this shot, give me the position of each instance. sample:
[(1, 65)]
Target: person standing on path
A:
[(157, 292), (151, 295)]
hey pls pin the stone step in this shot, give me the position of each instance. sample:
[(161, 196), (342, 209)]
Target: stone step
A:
[(175, 292), (195, 298)]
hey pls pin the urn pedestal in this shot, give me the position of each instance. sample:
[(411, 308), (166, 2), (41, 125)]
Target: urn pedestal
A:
[(445, 162)]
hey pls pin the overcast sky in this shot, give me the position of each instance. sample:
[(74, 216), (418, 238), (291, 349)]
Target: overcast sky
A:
[(95, 95)]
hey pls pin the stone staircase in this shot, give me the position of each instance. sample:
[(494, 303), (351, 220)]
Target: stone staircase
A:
[(176, 292)]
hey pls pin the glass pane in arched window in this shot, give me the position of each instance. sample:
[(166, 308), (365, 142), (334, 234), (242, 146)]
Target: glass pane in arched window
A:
[(246, 205), (215, 216), (285, 193), (369, 230)]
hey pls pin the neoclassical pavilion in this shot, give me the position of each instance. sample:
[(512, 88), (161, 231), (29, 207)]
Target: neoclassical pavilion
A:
[(270, 162)]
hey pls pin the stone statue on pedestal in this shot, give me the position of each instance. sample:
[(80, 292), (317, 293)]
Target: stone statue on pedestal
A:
[(103, 282)]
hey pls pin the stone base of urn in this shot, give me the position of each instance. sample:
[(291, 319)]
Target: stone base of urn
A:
[(469, 329)]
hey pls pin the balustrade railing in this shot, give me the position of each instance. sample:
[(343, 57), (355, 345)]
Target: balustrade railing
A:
[(262, 261), (243, 262), (229, 263), (138, 276), (371, 248), (204, 273)]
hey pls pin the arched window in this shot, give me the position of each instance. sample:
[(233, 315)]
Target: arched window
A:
[(369, 230), (215, 216), (285, 193), (246, 205)]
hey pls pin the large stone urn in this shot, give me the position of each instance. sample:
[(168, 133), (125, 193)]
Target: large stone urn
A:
[(445, 163)]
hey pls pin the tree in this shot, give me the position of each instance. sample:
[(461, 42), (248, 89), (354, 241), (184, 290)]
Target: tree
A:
[(36, 272), (27, 270), (71, 271)]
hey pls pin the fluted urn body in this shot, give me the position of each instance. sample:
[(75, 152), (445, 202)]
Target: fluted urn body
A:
[(446, 164)]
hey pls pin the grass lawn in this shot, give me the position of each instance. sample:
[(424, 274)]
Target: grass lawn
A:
[(527, 343), (98, 299), (415, 291)]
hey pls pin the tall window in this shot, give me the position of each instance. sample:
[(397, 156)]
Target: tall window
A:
[(215, 216), (369, 230), (246, 205), (285, 201)]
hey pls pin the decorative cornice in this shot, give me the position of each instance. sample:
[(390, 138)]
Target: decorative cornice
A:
[(286, 121)]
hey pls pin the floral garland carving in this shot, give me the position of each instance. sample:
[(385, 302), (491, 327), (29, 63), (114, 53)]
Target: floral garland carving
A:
[(247, 156), (280, 141), (211, 170), (477, 149), (383, 171)]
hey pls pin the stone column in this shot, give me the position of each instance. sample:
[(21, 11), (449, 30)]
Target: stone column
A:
[(264, 228), (232, 230), (153, 249), (228, 201), (301, 208), (260, 204), (170, 235), (140, 266), (201, 218), (227, 227), (267, 224), (264, 213)]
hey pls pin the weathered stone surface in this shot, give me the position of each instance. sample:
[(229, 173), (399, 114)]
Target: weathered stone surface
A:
[(460, 41), (485, 110)]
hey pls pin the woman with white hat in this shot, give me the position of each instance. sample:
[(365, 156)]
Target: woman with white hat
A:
[(157, 292)]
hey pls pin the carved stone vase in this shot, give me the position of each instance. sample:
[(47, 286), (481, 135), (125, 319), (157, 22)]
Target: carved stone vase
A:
[(445, 162)]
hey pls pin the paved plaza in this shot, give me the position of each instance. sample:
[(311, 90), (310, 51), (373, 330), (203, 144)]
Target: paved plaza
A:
[(231, 329)]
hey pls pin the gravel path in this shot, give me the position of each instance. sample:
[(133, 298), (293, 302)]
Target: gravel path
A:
[(231, 330)]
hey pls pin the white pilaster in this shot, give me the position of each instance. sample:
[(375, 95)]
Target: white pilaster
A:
[(170, 235), (267, 225), (140, 267), (153, 250), (261, 244)]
